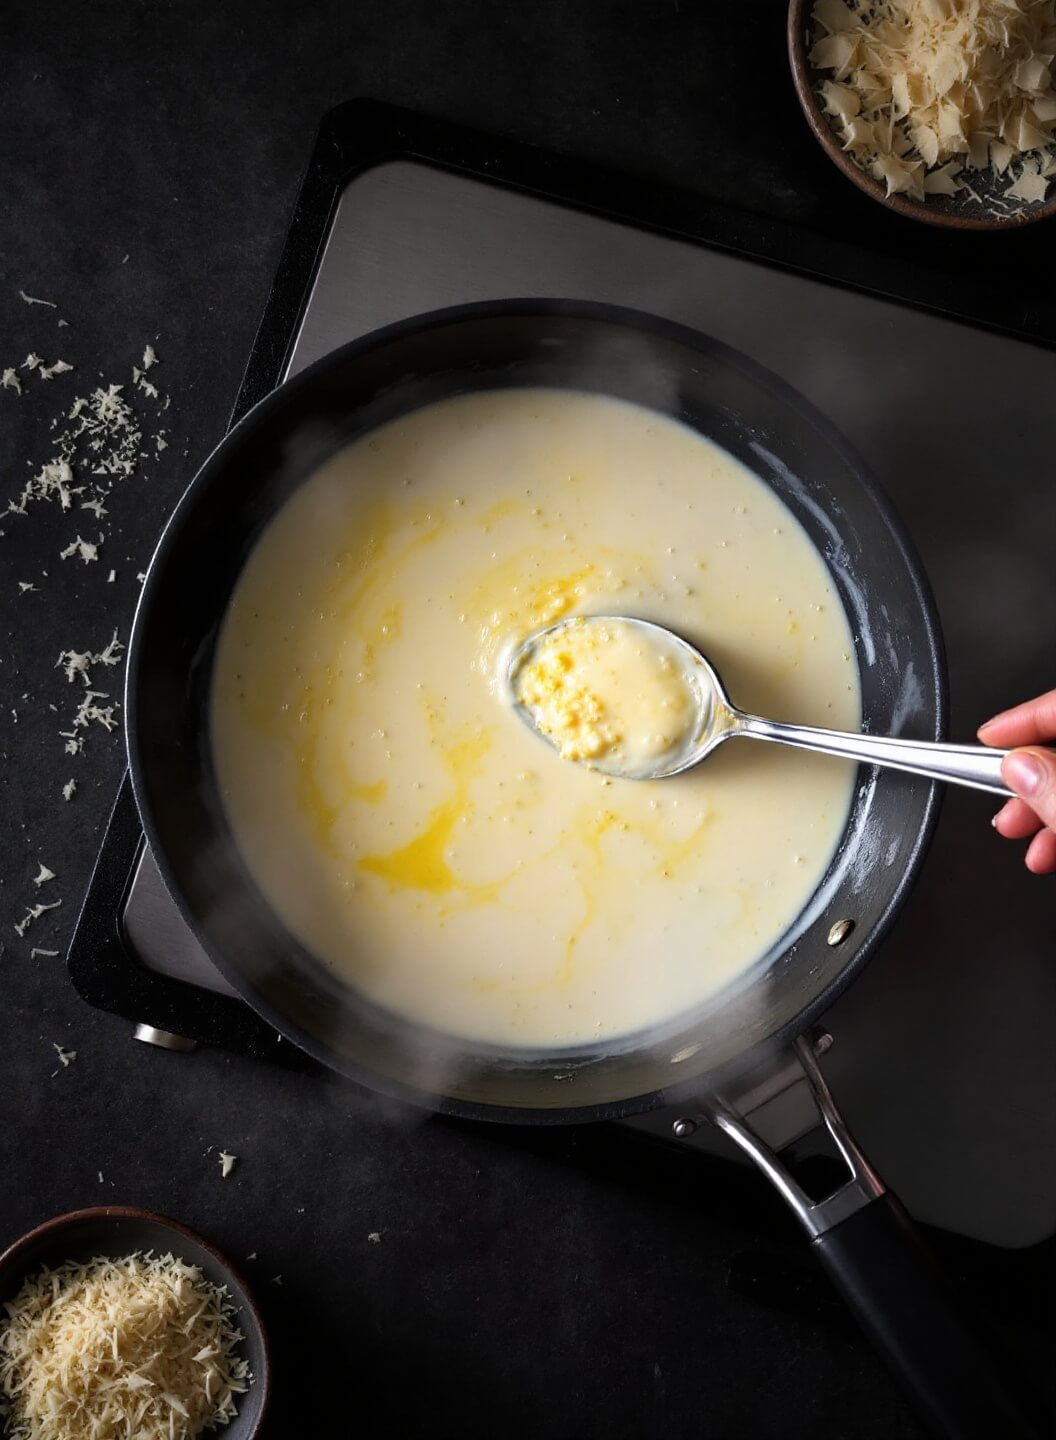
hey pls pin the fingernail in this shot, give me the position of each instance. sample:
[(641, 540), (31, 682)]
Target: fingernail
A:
[(1024, 773), (992, 721)]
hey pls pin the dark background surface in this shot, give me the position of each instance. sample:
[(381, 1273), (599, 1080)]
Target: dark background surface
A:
[(571, 1284)]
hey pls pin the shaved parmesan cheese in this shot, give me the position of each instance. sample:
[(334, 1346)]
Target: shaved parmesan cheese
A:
[(32, 300), (60, 367), (69, 788), (44, 875), (227, 1164), (149, 357), (10, 381), (38, 951), (1030, 186), (142, 1346), (923, 85), (65, 1056), (25, 586)]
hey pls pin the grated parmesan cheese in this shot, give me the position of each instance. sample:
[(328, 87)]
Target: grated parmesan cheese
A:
[(60, 367), (43, 875), (10, 381), (918, 84), (143, 1346), (34, 912), (76, 662), (69, 788), (227, 1164), (35, 300), (84, 548)]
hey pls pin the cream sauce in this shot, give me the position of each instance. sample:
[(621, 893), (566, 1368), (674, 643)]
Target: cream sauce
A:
[(412, 831)]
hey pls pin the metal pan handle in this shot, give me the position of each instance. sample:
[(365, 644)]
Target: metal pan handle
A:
[(885, 1272)]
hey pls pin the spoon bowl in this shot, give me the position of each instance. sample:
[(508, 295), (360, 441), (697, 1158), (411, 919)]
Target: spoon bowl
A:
[(714, 719), (711, 718)]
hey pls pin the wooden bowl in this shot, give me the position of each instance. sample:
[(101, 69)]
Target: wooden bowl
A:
[(117, 1230), (949, 212)]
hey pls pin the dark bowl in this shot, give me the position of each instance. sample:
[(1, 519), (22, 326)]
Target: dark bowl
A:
[(948, 212), (116, 1230)]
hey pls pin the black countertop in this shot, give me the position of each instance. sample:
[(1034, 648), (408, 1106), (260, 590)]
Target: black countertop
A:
[(521, 1284)]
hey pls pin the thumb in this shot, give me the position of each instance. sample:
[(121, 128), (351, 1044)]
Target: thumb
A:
[(1031, 773)]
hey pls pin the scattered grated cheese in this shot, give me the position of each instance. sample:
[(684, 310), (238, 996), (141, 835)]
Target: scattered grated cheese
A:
[(227, 1164), (60, 367), (149, 357), (34, 912), (31, 361), (55, 480), (374, 1237), (69, 787), (918, 84), (43, 875), (38, 951), (89, 713), (111, 577), (65, 1056), (142, 1346), (77, 662), (84, 548), (10, 381), (33, 300), (25, 586)]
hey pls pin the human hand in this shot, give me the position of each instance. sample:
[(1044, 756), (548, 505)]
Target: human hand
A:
[(1031, 772)]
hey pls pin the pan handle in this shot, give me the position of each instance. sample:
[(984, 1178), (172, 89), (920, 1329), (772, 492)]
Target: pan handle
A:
[(879, 1262)]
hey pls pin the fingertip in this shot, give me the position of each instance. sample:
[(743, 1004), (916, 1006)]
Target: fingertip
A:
[(998, 820), (1016, 821), (1040, 858)]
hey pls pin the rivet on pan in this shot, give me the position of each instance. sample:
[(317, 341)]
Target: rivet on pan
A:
[(822, 1042), (839, 932), (684, 1128)]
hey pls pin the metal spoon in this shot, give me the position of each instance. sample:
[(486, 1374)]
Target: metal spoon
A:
[(975, 766)]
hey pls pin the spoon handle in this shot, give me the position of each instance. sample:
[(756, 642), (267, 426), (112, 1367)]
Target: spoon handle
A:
[(976, 766)]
